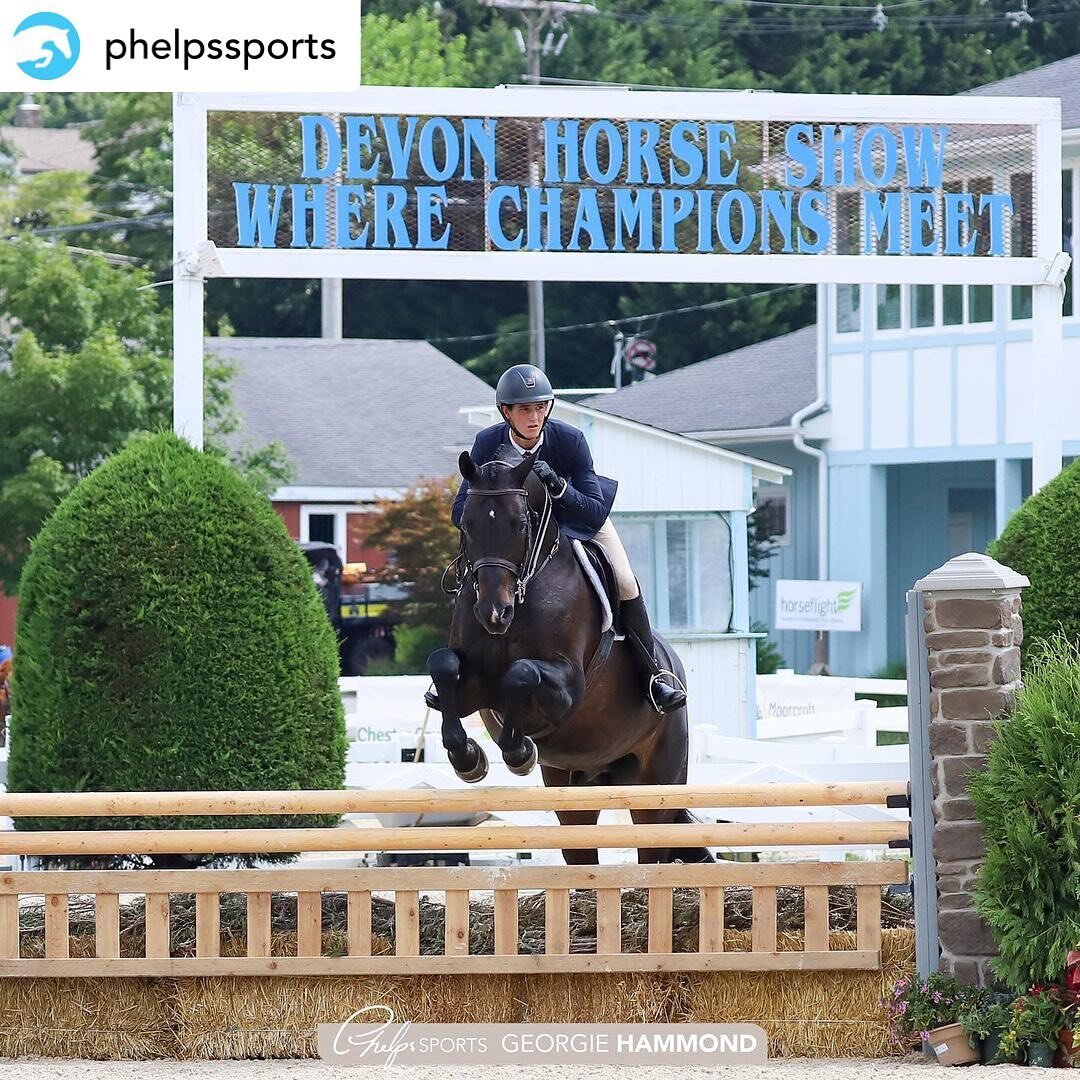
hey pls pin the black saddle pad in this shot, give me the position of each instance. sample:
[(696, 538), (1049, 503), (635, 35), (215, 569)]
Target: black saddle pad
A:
[(607, 575)]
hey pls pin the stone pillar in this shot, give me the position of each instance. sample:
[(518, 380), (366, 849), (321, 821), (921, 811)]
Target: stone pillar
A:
[(971, 609)]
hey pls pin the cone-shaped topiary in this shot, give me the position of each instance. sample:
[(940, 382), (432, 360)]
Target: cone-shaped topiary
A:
[(1028, 801), (170, 638), (1039, 540)]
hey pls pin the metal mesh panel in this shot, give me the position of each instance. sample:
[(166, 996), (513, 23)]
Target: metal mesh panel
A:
[(628, 174)]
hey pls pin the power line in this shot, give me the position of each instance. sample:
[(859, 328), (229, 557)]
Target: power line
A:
[(708, 306)]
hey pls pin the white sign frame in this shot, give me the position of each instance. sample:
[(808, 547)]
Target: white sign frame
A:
[(195, 258), (849, 619)]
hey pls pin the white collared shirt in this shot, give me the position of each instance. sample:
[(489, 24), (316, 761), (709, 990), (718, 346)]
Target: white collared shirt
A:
[(519, 450)]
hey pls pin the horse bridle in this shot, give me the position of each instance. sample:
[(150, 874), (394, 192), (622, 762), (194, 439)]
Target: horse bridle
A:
[(529, 568)]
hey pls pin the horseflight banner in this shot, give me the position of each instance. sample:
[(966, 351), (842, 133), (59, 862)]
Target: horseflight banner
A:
[(586, 185)]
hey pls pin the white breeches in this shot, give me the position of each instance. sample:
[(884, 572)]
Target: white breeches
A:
[(609, 540)]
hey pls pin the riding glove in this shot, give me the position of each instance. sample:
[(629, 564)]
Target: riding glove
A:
[(549, 477)]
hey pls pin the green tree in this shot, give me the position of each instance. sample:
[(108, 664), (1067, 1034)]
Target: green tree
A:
[(1039, 540), (171, 638), (1028, 803), (86, 366), (47, 199), (411, 51)]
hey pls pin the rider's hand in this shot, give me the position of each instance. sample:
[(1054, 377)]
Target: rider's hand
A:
[(548, 477)]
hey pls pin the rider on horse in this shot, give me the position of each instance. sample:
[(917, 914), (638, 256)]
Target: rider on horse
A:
[(581, 502)]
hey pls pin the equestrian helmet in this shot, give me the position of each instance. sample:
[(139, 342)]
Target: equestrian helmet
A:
[(521, 385)]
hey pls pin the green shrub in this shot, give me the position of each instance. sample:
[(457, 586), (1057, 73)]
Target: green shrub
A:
[(414, 644), (1040, 541), (769, 660), (1028, 801), (171, 638)]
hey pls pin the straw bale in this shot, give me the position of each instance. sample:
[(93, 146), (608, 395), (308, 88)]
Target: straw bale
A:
[(242, 1017), (100, 1019), (808, 1014)]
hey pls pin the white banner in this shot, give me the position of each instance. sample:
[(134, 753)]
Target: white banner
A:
[(792, 697), (201, 45), (818, 605)]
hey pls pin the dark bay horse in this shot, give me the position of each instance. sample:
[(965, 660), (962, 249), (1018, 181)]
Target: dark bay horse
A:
[(525, 626)]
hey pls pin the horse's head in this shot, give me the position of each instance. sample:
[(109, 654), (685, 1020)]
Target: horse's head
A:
[(61, 40), (500, 527)]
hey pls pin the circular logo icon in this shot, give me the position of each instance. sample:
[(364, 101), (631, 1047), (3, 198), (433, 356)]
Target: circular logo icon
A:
[(46, 45)]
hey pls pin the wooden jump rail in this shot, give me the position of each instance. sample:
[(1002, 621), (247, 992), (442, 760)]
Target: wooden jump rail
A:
[(643, 797), (455, 883)]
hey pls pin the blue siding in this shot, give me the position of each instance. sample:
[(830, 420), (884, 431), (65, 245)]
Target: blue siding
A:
[(920, 500), (858, 544), (795, 560)]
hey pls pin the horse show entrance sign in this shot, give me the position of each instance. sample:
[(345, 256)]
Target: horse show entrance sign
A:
[(592, 185)]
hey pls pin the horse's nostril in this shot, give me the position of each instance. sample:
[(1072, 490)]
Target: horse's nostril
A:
[(507, 614)]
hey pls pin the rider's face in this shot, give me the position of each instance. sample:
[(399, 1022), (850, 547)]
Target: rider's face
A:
[(528, 420)]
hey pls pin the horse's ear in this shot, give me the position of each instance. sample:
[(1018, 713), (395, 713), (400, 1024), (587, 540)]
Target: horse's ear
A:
[(465, 464), (520, 472)]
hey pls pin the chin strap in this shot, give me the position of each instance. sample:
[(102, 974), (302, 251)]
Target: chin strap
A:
[(510, 423)]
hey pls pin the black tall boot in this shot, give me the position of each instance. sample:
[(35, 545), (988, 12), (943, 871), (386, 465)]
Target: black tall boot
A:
[(635, 623)]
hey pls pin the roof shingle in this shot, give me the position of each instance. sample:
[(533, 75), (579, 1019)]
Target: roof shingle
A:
[(356, 412), (758, 386), (1061, 79)]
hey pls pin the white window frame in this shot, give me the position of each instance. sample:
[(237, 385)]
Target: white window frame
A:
[(341, 524), (659, 598)]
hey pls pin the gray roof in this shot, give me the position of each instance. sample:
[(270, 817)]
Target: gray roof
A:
[(40, 150), (759, 386), (1060, 79), (357, 412)]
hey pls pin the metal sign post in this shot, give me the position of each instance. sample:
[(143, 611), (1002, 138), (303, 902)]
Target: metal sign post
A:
[(920, 791)]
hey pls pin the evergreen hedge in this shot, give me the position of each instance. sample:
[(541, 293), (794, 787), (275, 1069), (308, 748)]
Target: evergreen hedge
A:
[(1040, 540), (170, 637), (1028, 801)]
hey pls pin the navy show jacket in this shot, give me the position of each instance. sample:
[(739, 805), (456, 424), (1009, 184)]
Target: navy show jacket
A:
[(584, 505)]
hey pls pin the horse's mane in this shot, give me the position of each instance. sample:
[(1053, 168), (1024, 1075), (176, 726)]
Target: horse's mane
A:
[(493, 473)]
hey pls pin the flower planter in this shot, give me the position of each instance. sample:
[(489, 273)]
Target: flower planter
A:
[(1063, 1059), (991, 1047), (951, 1046), (1040, 1054)]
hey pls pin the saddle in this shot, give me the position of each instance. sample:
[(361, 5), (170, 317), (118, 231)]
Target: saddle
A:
[(599, 572)]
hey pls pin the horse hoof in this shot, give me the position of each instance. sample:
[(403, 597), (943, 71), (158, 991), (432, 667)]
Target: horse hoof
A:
[(479, 770), (525, 766)]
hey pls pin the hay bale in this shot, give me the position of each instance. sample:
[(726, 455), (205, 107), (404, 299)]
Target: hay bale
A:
[(807, 1014), (99, 1019), (246, 1017)]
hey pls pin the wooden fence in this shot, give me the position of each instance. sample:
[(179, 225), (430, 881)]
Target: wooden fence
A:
[(502, 886)]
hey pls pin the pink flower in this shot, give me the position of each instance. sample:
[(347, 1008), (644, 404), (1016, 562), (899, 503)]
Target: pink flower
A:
[(924, 1035)]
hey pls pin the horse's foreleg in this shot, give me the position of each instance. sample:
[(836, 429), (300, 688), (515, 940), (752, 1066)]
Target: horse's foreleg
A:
[(469, 760), (532, 686)]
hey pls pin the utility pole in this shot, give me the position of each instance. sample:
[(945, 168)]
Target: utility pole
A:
[(538, 16)]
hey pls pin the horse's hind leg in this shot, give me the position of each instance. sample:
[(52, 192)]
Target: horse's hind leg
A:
[(469, 760), (573, 856), (666, 763)]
